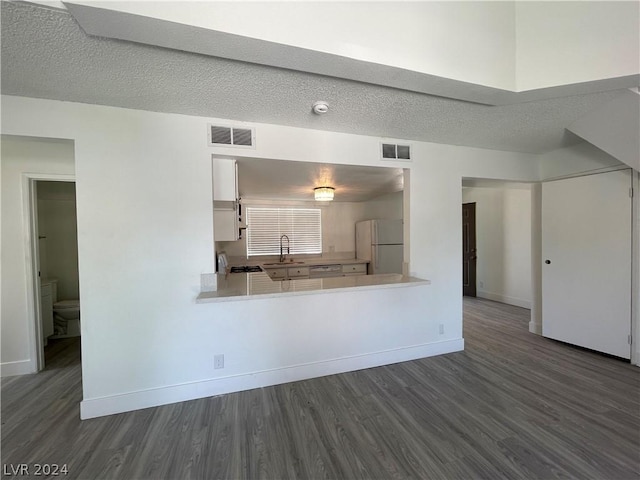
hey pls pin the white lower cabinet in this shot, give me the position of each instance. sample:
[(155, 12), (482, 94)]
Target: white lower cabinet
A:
[(354, 269), (298, 272), (289, 273), (292, 273), (277, 273)]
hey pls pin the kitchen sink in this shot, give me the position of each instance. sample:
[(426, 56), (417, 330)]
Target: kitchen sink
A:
[(282, 264)]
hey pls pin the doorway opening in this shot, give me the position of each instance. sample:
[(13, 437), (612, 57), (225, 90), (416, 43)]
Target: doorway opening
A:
[(55, 276), (469, 249), (497, 251)]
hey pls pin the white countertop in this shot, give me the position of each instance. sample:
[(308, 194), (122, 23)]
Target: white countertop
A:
[(246, 286)]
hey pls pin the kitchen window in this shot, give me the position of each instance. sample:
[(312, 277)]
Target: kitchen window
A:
[(266, 225)]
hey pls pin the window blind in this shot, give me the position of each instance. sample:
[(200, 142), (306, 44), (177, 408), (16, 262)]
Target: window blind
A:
[(265, 226)]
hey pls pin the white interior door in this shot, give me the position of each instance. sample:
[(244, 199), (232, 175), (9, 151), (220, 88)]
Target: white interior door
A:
[(586, 254)]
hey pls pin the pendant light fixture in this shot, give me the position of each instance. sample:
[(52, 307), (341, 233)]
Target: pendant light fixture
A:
[(323, 194)]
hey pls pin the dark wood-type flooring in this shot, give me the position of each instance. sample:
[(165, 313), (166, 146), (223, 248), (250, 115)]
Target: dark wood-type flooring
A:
[(512, 405)]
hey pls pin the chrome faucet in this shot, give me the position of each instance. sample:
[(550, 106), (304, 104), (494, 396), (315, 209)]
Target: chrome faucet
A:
[(281, 254)]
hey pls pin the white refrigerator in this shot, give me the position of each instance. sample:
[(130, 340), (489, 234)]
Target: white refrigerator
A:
[(380, 243)]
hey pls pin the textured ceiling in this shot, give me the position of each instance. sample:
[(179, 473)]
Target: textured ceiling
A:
[(151, 30), (283, 180), (45, 54)]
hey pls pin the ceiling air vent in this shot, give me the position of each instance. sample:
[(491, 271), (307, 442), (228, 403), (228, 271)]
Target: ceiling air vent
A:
[(231, 136), (393, 151)]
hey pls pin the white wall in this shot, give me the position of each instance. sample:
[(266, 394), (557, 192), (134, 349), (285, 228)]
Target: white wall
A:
[(338, 227), (19, 157), (436, 232), (560, 43), (145, 229), (517, 248), (613, 127), (57, 222), (503, 238), (578, 159), (384, 206)]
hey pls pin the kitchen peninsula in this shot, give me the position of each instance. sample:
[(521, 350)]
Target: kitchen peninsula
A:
[(247, 286)]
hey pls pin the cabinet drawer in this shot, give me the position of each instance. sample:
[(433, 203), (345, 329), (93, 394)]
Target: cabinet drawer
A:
[(277, 272), (298, 272), (355, 268)]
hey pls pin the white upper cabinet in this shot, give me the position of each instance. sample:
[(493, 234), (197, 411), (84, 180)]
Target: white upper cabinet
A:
[(225, 180), (225, 195)]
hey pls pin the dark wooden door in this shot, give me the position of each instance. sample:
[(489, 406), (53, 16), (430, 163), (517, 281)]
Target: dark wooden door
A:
[(469, 249)]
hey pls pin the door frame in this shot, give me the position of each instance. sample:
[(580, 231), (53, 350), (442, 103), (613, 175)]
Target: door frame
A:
[(32, 261), (635, 270), (534, 187)]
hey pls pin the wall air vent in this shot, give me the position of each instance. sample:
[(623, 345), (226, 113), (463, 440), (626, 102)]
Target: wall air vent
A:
[(393, 151), (231, 136)]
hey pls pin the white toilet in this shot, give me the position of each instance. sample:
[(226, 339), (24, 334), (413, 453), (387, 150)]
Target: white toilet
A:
[(66, 318)]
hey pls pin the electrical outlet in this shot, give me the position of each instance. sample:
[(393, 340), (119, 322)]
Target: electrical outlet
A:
[(481, 284), (441, 328), (218, 361)]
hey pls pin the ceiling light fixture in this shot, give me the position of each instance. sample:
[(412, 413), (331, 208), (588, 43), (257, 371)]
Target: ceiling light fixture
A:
[(320, 107), (323, 194)]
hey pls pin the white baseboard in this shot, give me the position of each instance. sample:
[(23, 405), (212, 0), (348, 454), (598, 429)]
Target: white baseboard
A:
[(97, 407), (498, 297), (535, 327), (22, 367)]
